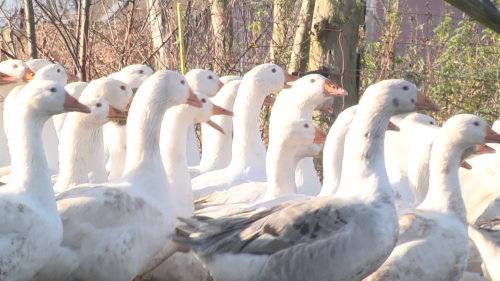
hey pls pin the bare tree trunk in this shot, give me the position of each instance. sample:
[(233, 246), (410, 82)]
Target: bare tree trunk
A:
[(334, 41), (83, 39), (282, 10), (222, 24), (157, 28), (300, 48), (30, 28)]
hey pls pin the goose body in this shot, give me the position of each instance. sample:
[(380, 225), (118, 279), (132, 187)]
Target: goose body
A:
[(116, 229), (31, 227)]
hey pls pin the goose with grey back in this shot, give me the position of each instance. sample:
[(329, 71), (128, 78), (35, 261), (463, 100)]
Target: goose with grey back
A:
[(31, 227), (432, 242), (329, 232), (248, 151), (114, 134), (116, 229)]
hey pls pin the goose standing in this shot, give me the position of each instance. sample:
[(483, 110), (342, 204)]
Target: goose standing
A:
[(115, 229), (12, 74), (114, 133), (207, 82), (330, 232), (173, 141), (248, 151), (118, 94), (216, 146), (74, 89), (433, 242), (75, 145), (31, 227)]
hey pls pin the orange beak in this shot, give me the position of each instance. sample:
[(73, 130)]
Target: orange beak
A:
[(6, 79), (331, 89), (216, 126), (491, 136), (465, 165), (392, 127), (217, 110), (72, 104), (484, 149), (269, 101), (319, 136), (28, 75), (193, 99), (289, 79), (424, 103), (115, 114)]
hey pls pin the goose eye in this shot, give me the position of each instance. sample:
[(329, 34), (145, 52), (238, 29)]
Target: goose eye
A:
[(58, 70), (306, 126), (122, 87), (141, 71), (53, 90), (98, 104), (406, 88), (313, 80), (273, 70), (183, 82), (210, 77), (476, 124), (203, 100), (431, 122)]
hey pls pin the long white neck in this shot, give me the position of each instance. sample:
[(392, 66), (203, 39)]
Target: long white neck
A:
[(143, 133), (444, 193), (363, 173), (247, 147), (174, 129), (74, 148), (280, 167), (333, 154), (29, 165), (216, 146)]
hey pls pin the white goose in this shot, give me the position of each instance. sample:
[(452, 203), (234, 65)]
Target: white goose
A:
[(206, 82), (117, 229), (248, 151), (173, 141), (216, 146), (299, 102), (119, 95), (31, 227), (36, 64), (114, 133), (75, 145), (12, 74), (74, 89), (433, 242), (486, 241), (330, 232)]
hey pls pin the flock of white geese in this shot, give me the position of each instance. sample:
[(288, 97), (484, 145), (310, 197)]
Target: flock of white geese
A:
[(104, 180)]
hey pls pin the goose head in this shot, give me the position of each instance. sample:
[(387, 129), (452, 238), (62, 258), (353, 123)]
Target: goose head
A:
[(116, 92), (14, 71), (303, 137), (396, 96), (101, 111), (53, 72), (468, 130), (418, 118), (75, 89), (204, 81), (270, 76), (49, 98), (133, 75), (316, 89), (207, 110)]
